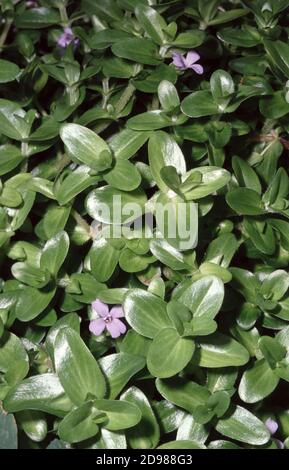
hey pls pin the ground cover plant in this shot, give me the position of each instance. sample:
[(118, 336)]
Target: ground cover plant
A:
[(122, 327)]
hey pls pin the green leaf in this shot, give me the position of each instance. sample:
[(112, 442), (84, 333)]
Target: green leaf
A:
[(36, 18), (146, 434), (183, 393), (191, 430), (245, 201), (257, 382), (245, 175), (182, 445), (278, 189), (71, 320), (278, 53), (275, 285), (8, 431), (12, 120), (57, 444), (119, 369), (169, 353), (149, 81), (54, 253), (120, 414), (219, 350), (246, 283), (123, 176), (14, 362), (131, 262), (189, 39), (272, 350), (8, 71), (243, 426), (117, 68), (275, 106), (219, 133), (103, 259), (204, 297), (281, 226), (79, 424), (31, 275), (127, 142), (112, 206), (164, 151), (77, 369), (74, 183), (260, 234), (227, 16), (247, 36), (150, 121), (107, 9), (152, 23), (214, 269), (53, 221), (41, 392), (168, 255), (168, 96), (221, 379), (32, 302), (86, 146), (220, 444), (222, 249), (142, 51), (169, 416), (145, 312), (222, 85), (212, 179), (10, 157), (33, 424), (199, 104)]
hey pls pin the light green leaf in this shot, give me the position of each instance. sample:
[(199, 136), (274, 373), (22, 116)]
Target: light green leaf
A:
[(86, 146), (243, 426), (145, 312), (77, 369), (169, 353)]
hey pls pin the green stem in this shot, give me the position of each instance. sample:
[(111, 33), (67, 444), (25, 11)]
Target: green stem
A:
[(155, 104), (24, 149), (63, 161), (106, 92), (124, 99), (5, 32), (63, 15), (101, 126), (81, 221)]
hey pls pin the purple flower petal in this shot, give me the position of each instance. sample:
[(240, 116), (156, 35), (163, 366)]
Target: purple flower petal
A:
[(100, 308), (271, 425), (279, 443), (199, 69), (66, 37), (68, 31), (62, 41), (179, 61), (192, 58), (116, 328), (97, 326), (117, 312), (31, 4)]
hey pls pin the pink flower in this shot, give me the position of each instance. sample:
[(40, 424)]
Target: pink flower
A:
[(272, 427), (66, 38), (108, 319), (183, 63), (31, 4)]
